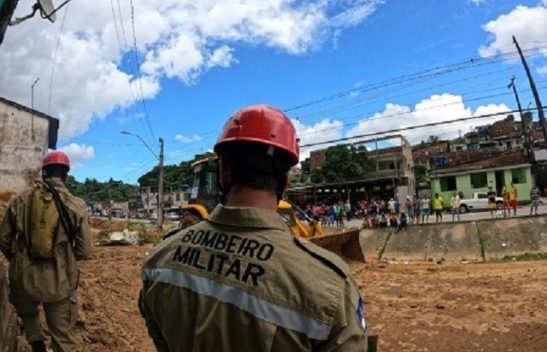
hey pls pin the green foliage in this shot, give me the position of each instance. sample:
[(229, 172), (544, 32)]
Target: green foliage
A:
[(343, 163), (93, 190), (305, 165), (173, 174), (316, 176), (421, 174)]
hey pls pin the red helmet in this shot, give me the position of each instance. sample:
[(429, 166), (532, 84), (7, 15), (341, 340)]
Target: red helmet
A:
[(261, 124), (56, 158)]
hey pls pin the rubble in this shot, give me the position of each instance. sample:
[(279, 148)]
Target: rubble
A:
[(122, 238)]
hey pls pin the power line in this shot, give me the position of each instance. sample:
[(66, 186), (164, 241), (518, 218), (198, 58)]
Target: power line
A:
[(432, 72), (433, 107), (379, 97), (137, 63), (432, 124), (116, 25), (124, 37), (55, 57), (121, 46)]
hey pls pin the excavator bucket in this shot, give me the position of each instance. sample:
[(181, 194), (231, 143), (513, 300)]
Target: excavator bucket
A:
[(346, 244)]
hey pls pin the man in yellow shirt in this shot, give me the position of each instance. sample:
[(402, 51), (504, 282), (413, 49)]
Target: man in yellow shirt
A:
[(438, 204)]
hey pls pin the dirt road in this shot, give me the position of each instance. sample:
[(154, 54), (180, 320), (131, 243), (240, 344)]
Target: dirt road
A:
[(413, 307)]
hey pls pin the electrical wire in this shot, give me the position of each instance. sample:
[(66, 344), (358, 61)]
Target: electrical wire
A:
[(137, 63), (432, 72), (51, 77), (401, 129)]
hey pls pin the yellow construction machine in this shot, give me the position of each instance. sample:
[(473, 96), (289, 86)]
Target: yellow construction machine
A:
[(204, 196)]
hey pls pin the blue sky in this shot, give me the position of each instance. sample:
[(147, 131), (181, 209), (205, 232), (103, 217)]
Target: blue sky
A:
[(390, 39)]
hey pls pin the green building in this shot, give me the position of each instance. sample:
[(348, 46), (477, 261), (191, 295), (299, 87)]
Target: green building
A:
[(477, 176)]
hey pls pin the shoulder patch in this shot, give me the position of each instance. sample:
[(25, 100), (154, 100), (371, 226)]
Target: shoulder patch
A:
[(329, 259)]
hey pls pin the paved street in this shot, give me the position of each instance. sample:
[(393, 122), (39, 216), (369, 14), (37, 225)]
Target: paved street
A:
[(523, 210)]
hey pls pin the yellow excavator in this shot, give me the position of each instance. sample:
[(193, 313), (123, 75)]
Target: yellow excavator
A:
[(204, 196)]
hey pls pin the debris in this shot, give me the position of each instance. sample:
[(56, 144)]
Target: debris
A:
[(122, 238), (439, 306)]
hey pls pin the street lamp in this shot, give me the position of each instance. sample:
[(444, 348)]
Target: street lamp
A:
[(160, 169), (32, 106)]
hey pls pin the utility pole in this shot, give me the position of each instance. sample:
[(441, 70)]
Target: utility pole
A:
[(160, 175), (541, 114), (160, 187), (32, 106), (529, 155), (523, 124)]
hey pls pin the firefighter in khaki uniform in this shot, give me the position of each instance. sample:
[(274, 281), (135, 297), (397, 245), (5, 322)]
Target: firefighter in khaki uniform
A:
[(239, 281), (44, 231)]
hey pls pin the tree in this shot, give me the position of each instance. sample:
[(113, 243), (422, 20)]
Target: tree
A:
[(432, 139), (316, 176), (343, 163), (305, 165), (420, 173), (173, 174), (93, 190)]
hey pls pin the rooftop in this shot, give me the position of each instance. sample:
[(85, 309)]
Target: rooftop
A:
[(53, 122)]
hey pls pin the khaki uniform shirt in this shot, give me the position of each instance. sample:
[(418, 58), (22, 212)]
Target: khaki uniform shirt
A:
[(239, 281), (45, 280)]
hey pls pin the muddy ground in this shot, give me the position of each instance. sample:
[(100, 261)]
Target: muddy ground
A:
[(417, 306)]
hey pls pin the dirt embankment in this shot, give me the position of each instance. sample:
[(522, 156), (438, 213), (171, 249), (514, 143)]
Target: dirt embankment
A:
[(417, 306), (109, 287), (457, 307)]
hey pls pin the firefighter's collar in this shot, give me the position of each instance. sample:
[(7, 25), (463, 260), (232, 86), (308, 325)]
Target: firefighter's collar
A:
[(56, 182), (247, 217)]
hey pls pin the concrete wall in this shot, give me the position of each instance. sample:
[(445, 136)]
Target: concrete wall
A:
[(483, 240), (23, 144)]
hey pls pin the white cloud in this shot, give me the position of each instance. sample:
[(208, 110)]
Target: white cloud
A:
[(322, 131), (437, 108), (187, 139), (527, 24), (78, 153), (176, 38)]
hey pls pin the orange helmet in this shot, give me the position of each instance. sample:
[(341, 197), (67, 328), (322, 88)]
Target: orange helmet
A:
[(261, 124), (56, 158)]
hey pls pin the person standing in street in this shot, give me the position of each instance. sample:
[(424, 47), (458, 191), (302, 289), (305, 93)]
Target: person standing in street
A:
[(438, 205), (535, 194), (347, 209), (455, 205), (239, 281), (44, 232), (492, 204), (513, 198), (425, 209), (506, 201)]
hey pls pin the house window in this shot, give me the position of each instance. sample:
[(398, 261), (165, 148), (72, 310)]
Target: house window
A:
[(479, 180), (448, 183), (518, 175)]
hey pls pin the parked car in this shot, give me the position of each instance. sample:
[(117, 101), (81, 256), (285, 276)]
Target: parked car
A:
[(173, 216), (479, 201)]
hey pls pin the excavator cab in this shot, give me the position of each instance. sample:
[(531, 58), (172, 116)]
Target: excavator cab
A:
[(205, 195)]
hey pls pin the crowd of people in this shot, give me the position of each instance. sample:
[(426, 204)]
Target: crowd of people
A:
[(379, 213), (391, 214)]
